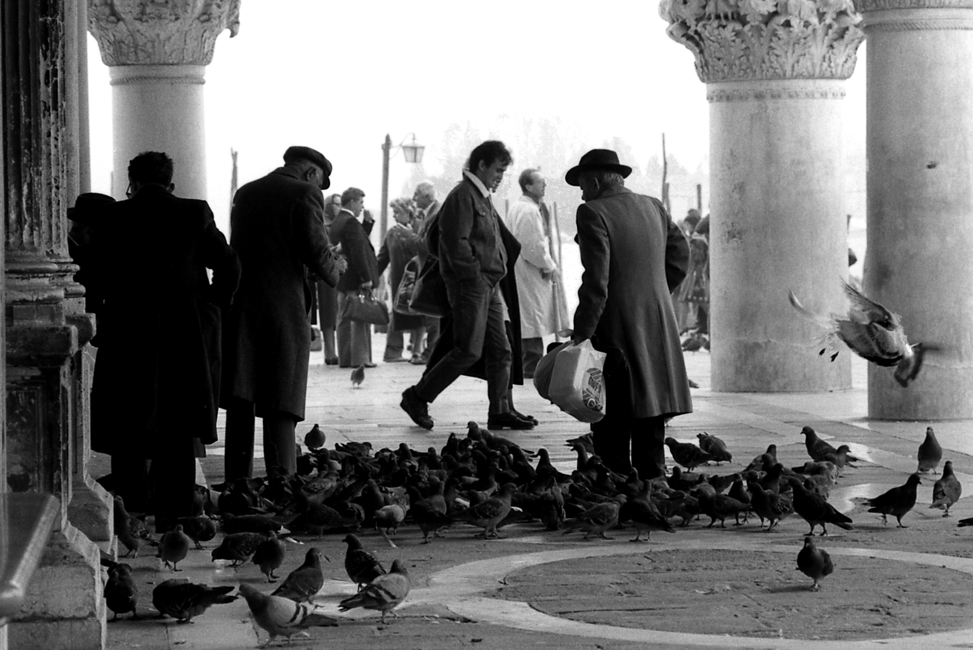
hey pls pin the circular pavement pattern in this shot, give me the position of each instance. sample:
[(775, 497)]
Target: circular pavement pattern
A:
[(651, 593)]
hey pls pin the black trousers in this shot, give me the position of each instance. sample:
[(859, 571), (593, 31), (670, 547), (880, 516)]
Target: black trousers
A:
[(163, 486), (279, 440)]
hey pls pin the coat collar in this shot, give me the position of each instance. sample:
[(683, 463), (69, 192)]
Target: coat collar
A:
[(477, 183), (614, 191)]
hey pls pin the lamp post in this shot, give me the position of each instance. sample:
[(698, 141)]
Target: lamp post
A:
[(412, 153)]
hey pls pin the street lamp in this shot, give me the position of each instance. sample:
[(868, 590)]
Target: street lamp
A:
[(412, 153)]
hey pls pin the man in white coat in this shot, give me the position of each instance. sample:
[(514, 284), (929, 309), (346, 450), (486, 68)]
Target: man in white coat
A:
[(542, 307)]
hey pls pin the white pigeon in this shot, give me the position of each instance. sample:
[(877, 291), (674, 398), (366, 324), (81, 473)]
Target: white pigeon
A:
[(282, 616)]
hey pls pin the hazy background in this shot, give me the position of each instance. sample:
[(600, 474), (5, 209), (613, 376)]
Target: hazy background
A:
[(551, 79)]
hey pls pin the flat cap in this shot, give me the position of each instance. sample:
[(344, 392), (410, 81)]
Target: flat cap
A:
[(313, 156)]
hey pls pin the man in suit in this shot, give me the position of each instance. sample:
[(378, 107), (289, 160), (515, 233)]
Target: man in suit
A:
[(354, 338), (633, 257), (157, 375), (472, 261), (277, 229), (425, 198)]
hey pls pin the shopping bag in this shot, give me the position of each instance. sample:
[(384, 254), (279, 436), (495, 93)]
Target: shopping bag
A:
[(363, 308), (578, 382), (406, 287), (544, 371), (429, 294)]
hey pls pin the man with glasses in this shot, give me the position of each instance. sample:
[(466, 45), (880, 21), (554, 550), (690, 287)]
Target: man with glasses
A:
[(277, 229)]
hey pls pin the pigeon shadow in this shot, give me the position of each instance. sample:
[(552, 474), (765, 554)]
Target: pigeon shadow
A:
[(787, 589)]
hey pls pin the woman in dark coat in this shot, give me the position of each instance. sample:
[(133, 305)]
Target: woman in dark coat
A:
[(328, 296), (401, 245)]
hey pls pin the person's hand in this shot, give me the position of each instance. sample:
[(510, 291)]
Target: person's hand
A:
[(341, 263), (366, 286)]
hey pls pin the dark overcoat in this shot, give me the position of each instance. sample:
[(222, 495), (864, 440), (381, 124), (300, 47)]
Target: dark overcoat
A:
[(357, 248), (633, 256), (277, 229), (401, 245), (157, 373)]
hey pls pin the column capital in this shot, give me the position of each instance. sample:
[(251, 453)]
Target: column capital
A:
[(752, 40), (905, 15), (149, 32)]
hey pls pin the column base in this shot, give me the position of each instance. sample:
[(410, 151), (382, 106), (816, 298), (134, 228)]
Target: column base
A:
[(90, 511), (64, 607)]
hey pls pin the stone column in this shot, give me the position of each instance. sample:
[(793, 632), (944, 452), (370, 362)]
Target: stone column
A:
[(774, 72), (157, 54), (920, 197), (45, 321)]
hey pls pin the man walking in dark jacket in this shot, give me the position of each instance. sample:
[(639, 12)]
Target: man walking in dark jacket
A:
[(472, 261), (277, 229)]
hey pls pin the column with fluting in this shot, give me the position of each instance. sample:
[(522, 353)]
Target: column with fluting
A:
[(157, 58), (920, 197), (775, 74)]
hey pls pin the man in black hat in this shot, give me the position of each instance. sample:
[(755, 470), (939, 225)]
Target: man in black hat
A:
[(633, 257), (277, 229)]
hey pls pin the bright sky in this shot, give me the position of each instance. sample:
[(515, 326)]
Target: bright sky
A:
[(338, 76)]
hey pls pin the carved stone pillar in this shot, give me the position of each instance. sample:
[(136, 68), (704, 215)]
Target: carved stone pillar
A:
[(45, 324), (157, 53), (920, 197), (774, 72)]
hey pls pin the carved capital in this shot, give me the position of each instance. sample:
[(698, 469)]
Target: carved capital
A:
[(160, 32), (903, 15), (739, 40)]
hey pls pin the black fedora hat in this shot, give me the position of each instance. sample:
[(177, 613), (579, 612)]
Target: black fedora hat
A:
[(597, 159), (87, 207), (313, 156)]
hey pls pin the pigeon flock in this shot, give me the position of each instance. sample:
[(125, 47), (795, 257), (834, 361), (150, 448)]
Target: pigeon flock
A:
[(488, 482)]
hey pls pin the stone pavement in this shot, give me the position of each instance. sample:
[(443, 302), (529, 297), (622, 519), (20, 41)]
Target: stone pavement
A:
[(711, 587)]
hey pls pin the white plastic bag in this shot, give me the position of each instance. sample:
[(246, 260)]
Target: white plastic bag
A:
[(544, 371), (578, 382)]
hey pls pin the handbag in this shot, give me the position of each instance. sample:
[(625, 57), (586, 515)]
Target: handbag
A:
[(363, 308), (429, 293), (406, 286)]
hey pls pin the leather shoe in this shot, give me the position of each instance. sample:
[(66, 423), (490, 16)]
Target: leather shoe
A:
[(395, 360), (417, 409), (417, 361), (331, 361), (508, 421), (529, 418)]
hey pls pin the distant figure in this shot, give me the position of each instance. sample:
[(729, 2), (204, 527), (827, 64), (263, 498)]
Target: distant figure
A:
[(277, 229), (354, 337), (402, 243), (688, 224), (328, 296), (542, 308), (633, 256), (425, 198), (473, 261), (157, 376)]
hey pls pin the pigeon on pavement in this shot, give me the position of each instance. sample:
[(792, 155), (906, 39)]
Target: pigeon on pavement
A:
[(283, 617), (174, 547), (817, 449), (199, 529), (182, 599), (929, 453), (645, 516), (488, 513), (121, 592), (715, 447), (269, 556), (315, 438), (238, 547), (815, 509), (687, 454), (384, 593), (362, 566), (131, 531), (304, 581), (897, 501), (255, 523), (769, 505), (814, 562), (596, 519), (947, 490), (358, 376)]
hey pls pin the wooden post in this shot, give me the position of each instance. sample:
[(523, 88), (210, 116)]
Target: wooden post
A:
[(699, 198)]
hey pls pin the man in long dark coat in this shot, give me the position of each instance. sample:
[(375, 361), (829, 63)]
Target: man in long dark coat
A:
[(277, 229), (157, 374), (633, 257)]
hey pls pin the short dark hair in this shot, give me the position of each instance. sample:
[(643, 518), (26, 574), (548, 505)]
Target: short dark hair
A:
[(524, 179), (488, 153), (351, 194), (151, 167)]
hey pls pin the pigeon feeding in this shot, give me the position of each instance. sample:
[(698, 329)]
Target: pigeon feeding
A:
[(872, 332), (182, 599), (715, 447)]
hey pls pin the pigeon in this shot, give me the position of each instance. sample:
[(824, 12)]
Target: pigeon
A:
[(131, 531), (182, 599), (596, 519), (715, 447), (315, 438), (491, 511), (174, 547), (199, 529), (762, 462), (238, 547), (841, 457), (304, 581), (897, 501), (249, 524), (719, 507), (283, 617), (687, 454), (769, 505), (872, 332), (121, 592), (929, 453), (362, 566), (429, 513), (645, 516), (384, 593), (814, 562), (817, 449), (358, 376), (389, 517), (946, 490), (269, 556), (815, 509)]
